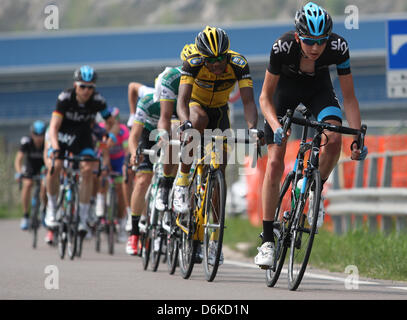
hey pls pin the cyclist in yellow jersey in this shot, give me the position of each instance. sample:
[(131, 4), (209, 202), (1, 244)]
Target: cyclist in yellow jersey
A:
[(208, 78)]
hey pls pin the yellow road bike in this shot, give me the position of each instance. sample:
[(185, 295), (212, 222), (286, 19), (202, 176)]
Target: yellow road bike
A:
[(205, 223)]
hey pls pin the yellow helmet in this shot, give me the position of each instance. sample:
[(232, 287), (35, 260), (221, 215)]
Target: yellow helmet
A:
[(188, 50), (212, 42)]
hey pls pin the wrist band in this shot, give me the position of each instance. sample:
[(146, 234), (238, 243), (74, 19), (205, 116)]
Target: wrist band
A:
[(113, 137)]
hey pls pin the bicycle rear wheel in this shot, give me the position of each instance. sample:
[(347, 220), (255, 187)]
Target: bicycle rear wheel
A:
[(215, 222), (302, 233), (279, 230)]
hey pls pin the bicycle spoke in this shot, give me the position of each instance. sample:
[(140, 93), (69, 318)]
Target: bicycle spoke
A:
[(302, 235)]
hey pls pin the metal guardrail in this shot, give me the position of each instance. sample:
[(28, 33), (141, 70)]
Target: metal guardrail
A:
[(347, 207)]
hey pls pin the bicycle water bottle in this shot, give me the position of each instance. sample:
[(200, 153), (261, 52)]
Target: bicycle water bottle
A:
[(297, 190)]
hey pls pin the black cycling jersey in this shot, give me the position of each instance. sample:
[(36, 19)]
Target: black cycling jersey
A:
[(75, 132), (285, 57), (76, 114), (314, 90), (33, 156)]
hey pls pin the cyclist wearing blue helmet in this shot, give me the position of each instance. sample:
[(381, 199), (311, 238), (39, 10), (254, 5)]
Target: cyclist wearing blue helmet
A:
[(28, 163), (70, 130), (298, 73)]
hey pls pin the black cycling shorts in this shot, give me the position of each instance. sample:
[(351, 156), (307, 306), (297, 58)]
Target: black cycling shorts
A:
[(218, 117), (78, 141), (146, 166), (316, 93)]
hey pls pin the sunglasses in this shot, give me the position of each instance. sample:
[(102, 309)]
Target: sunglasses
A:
[(85, 86), (215, 59), (311, 42)]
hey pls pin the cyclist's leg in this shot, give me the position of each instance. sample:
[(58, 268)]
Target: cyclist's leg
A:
[(52, 186), (199, 120), (86, 187), (27, 184), (325, 107), (288, 95), (144, 175)]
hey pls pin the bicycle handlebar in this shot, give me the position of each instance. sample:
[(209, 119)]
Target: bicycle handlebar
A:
[(75, 159), (288, 119)]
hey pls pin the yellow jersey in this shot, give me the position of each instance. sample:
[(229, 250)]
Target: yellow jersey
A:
[(210, 90)]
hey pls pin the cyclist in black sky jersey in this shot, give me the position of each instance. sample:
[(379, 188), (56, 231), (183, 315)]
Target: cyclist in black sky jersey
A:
[(70, 130), (298, 73)]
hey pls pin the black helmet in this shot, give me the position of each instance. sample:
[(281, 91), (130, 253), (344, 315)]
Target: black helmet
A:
[(313, 20), (212, 42), (85, 73)]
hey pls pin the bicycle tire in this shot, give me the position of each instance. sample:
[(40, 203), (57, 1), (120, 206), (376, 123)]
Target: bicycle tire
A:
[(156, 246), (111, 214), (73, 223), (172, 246), (34, 225), (146, 237), (188, 246), (302, 238), (215, 223), (62, 239), (98, 235), (281, 246)]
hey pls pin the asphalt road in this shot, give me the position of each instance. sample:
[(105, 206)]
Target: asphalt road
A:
[(40, 274)]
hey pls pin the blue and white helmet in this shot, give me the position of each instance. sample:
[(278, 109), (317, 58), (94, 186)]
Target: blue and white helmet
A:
[(85, 73), (313, 20), (38, 127)]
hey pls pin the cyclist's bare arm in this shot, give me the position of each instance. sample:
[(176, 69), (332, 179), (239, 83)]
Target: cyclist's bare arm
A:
[(351, 106), (266, 100), (134, 139), (55, 124), (250, 108), (114, 126), (166, 108), (18, 161), (184, 96), (133, 95)]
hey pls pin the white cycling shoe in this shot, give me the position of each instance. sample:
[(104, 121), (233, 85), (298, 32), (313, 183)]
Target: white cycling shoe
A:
[(181, 199), (265, 257)]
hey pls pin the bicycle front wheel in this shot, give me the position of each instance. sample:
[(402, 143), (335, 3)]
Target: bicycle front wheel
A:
[(279, 230), (72, 210), (215, 223), (302, 236), (111, 216), (188, 247)]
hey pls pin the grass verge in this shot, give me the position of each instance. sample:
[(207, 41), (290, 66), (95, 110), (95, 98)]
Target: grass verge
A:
[(376, 255)]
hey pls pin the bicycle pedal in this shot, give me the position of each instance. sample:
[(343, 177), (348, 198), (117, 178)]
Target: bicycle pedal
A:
[(264, 267)]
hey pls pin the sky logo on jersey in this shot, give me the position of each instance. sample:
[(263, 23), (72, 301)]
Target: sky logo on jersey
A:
[(280, 46), (239, 61), (340, 45)]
